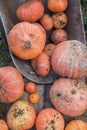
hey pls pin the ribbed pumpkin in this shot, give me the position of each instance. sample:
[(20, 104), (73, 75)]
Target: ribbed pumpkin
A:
[(3, 125), (49, 119), (11, 84), (69, 96), (21, 116), (76, 125), (69, 59), (30, 11), (27, 40)]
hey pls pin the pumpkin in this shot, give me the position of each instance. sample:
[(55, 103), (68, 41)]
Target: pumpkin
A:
[(46, 22), (69, 59), (59, 20), (48, 49), (41, 64), (30, 87), (69, 96), (34, 98), (3, 125), (30, 11), (21, 116), (57, 5), (59, 35), (49, 119), (27, 40), (11, 84), (76, 125)]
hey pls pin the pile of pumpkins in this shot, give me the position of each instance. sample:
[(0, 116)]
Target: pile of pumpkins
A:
[(67, 58)]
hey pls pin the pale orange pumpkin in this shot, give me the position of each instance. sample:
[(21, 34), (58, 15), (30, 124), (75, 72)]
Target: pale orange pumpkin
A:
[(21, 116), (30, 11), (27, 40), (11, 84), (49, 119), (3, 125), (69, 96), (76, 125)]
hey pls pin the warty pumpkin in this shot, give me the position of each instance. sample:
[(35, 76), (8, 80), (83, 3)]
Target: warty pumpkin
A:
[(49, 119), (76, 125), (69, 96), (69, 59), (11, 84), (27, 40), (21, 116)]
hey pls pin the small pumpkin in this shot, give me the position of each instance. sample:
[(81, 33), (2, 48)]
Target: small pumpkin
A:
[(41, 64), (49, 48), (46, 22), (21, 116), (49, 119), (76, 125), (59, 35), (11, 84), (57, 5), (69, 96), (70, 59), (34, 98), (3, 125), (59, 20), (27, 40), (30, 11)]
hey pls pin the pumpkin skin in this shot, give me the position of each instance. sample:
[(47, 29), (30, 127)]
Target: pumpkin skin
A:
[(30, 11), (3, 125), (49, 49), (57, 5), (27, 40), (59, 35), (21, 116), (41, 64), (49, 119), (46, 22), (69, 59), (11, 84), (69, 96), (59, 20), (76, 125)]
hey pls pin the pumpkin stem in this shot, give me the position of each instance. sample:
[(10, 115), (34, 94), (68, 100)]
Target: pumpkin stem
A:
[(27, 44)]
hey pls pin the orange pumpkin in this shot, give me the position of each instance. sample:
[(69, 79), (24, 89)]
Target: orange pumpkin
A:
[(69, 96), (46, 22), (59, 20), (70, 59), (76, 125), (57, 5), (34, 98), (21, 116), (59, 35), (11, 84), (30, 87), (30, 11), (49, 48), (49, 119), (27, 40), (3, 125), (41, 64)]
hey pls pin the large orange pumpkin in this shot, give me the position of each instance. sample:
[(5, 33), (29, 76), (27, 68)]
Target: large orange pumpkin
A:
[(11, 84), (21, 116), (27, 40), (30, 11), (3, 125), (76, 125), (69, 59), (69, 96), (57, 5), (49, 119)]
